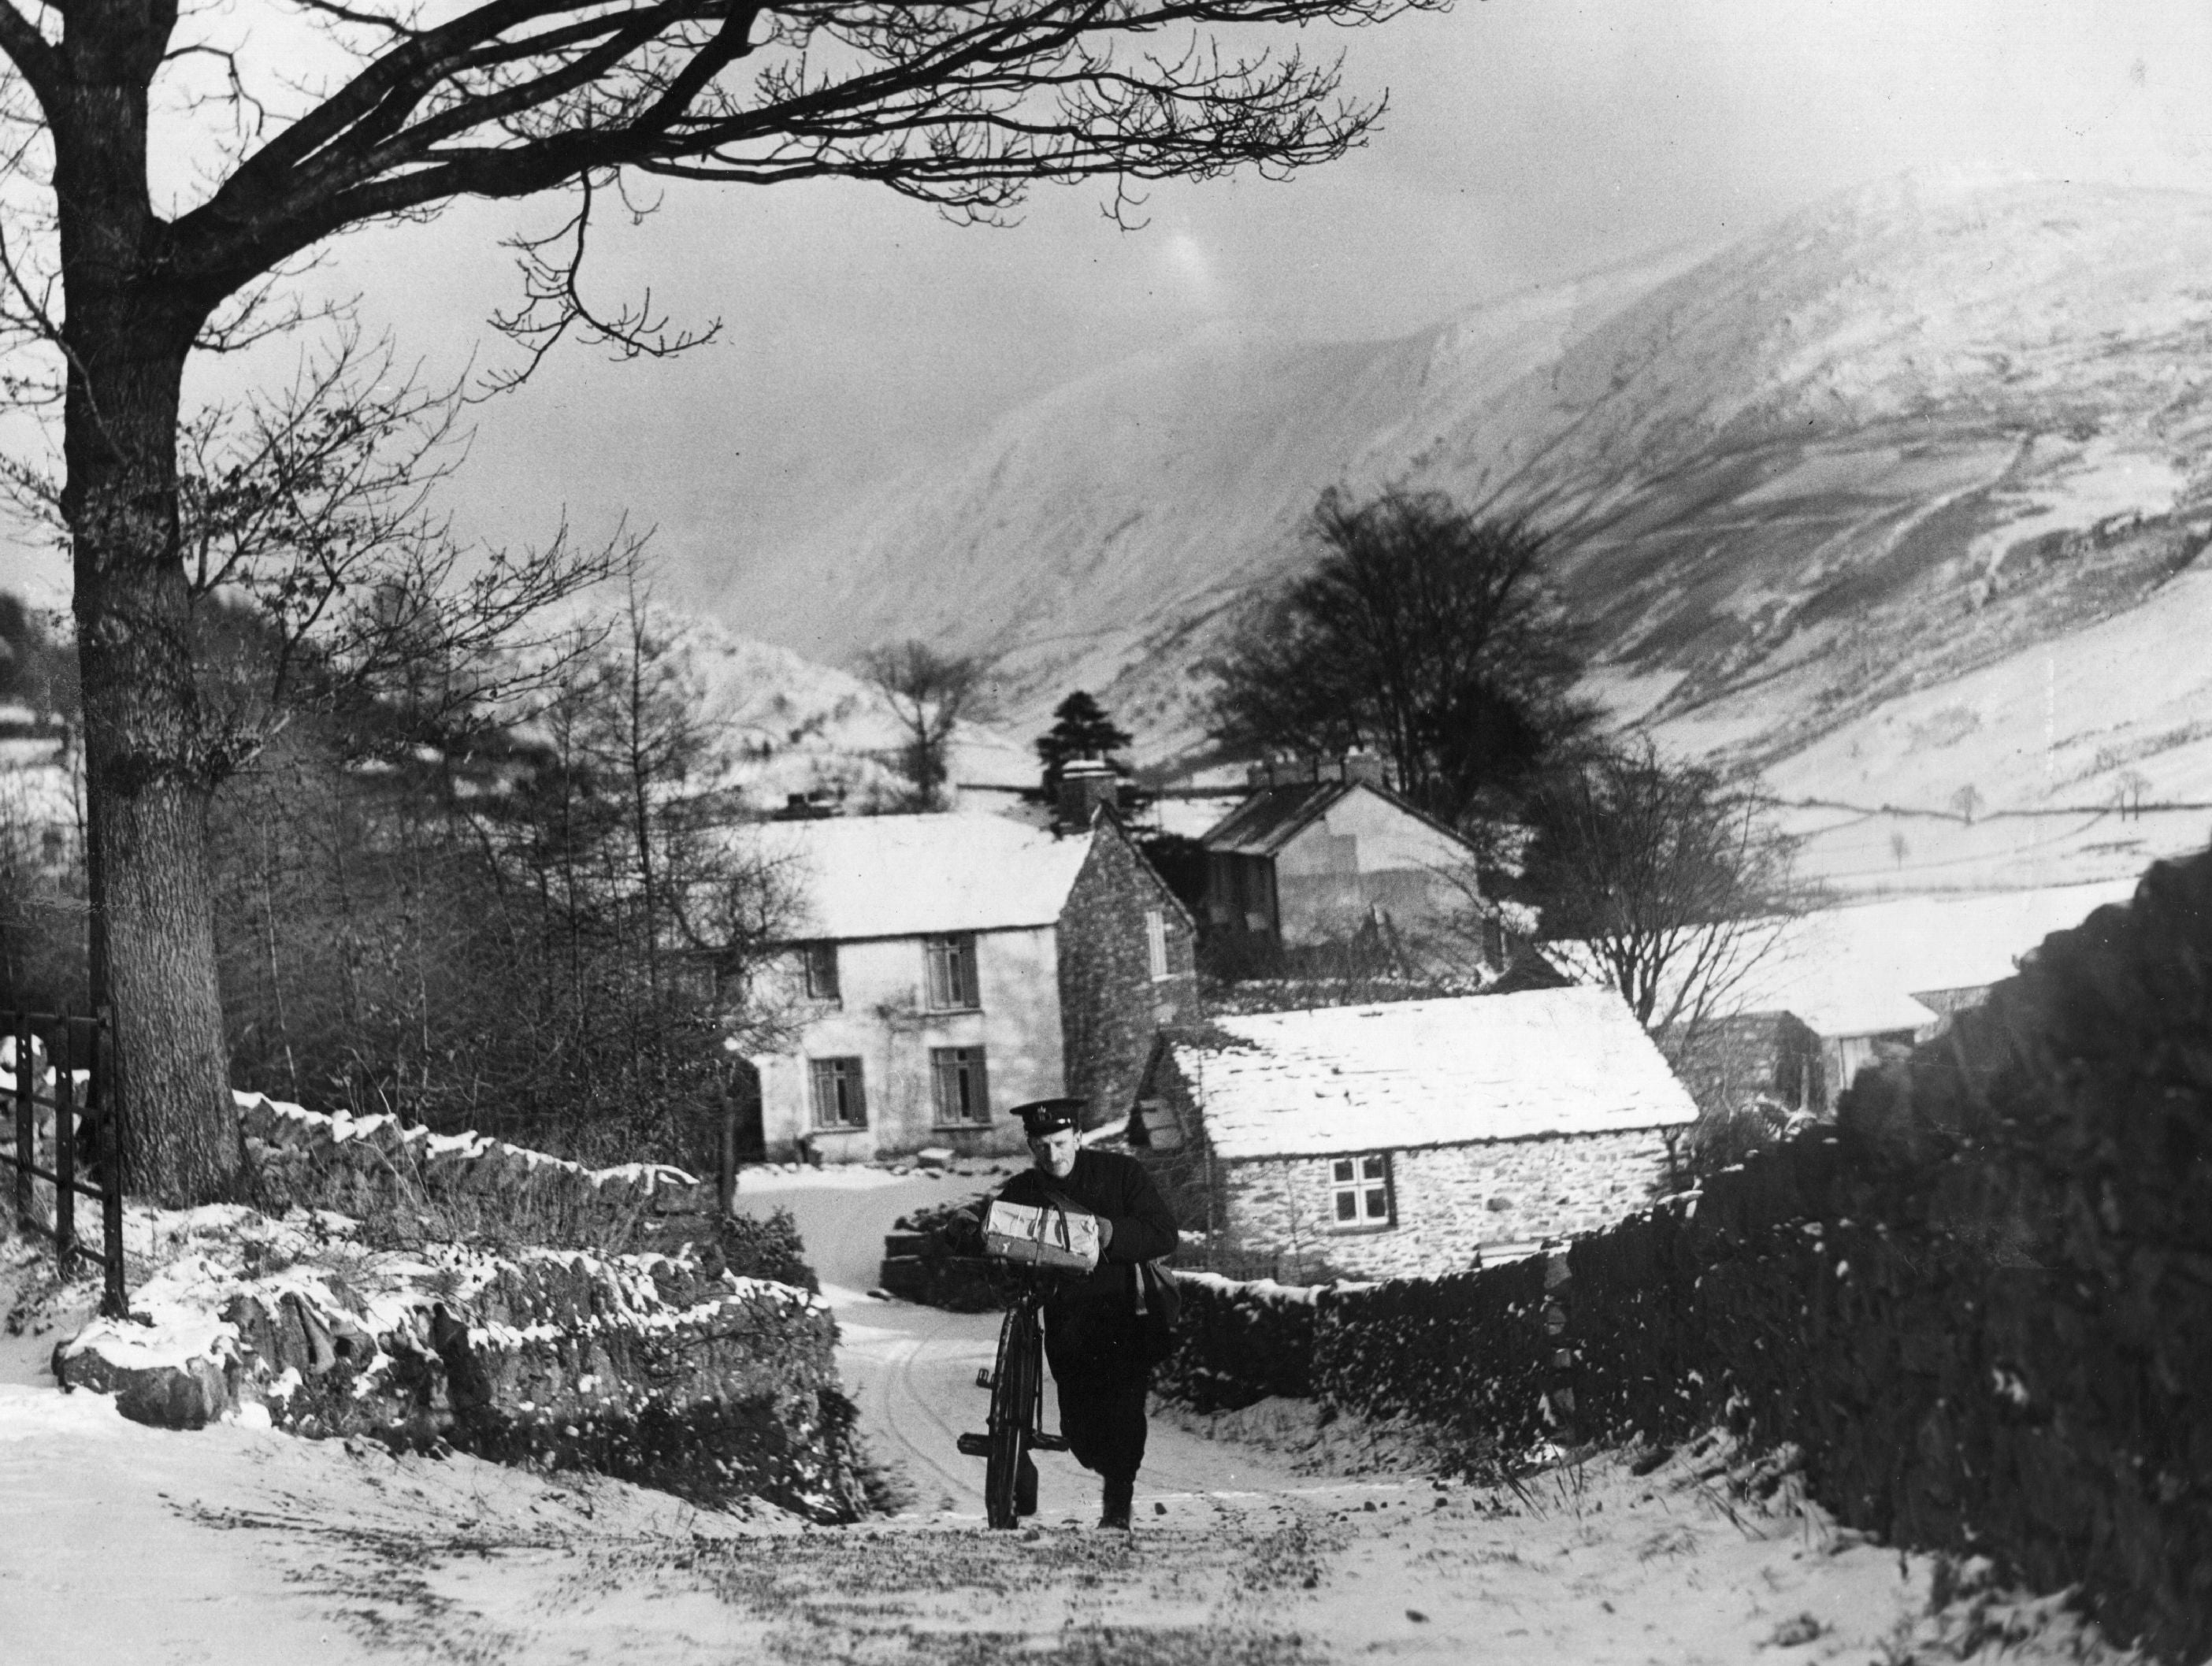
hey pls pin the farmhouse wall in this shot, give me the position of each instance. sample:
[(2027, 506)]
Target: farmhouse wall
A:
[(1111, 1005), (1361, 854), (881, 1018), (1450, 1201)]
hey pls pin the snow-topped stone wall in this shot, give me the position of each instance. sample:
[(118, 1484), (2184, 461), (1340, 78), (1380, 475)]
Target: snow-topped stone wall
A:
[(417, 1184), (454, 1292), (640, 1366)]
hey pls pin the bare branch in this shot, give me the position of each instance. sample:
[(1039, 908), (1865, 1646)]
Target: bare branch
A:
[(553, 304), (30, 52)]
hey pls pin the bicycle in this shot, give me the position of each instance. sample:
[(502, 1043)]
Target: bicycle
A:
[(1015, 1427)]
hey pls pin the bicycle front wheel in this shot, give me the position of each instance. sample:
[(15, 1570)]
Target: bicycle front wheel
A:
[(1014, 1391)]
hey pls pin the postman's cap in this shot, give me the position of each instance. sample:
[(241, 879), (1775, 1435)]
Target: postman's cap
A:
[(1042, 1116)]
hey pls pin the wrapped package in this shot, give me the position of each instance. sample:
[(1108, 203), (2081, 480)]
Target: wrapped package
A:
[(1042, 1237)]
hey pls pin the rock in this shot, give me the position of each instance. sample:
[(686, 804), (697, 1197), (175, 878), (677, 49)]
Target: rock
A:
[(190, 1396)]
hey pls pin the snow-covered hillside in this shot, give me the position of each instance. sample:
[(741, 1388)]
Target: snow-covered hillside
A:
[(1900, 496), (795, 726)]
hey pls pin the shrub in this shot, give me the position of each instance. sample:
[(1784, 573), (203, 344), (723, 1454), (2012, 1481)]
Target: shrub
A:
[(766, 1248)]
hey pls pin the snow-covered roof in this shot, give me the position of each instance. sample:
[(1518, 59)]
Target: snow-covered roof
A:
[(903, 876), (1429, 1072), (1854, 970)]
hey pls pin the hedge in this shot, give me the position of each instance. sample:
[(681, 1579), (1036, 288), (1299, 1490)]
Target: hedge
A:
[(1237, 1343), (1981, 1305)]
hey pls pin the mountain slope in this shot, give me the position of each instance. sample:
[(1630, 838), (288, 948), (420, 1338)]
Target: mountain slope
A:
[(1900, 439)]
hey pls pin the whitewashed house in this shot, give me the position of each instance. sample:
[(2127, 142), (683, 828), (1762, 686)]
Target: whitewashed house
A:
[(943, 968), (1318, 853), (1408, 1138)]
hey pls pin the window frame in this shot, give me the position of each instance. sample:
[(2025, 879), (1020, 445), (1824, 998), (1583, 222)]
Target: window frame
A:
[(949, 1066), (820, 974), (834, 1112), (1362, 1177), (1156, 944), (949, 962)]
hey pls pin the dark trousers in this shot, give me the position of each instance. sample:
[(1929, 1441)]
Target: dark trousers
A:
[(1097, 1358)]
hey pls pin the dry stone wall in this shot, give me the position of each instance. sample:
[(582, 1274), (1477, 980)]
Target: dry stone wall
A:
[(1980, 1305), (440, 1328), (415, 1185)]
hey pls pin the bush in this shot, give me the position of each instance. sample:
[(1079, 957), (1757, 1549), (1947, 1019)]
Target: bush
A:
[(1471, 1353), (769, 1249), (1237, 1343), (1981, 1305)]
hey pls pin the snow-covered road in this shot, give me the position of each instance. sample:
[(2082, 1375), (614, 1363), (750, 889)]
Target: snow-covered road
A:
[(912, 1369), (123, 1546)]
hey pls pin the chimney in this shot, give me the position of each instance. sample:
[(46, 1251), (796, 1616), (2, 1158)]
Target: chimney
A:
[(1364, 767), (1084, 784)]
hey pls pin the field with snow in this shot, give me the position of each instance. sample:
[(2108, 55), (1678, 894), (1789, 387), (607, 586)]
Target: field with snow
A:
[(134, 1546)]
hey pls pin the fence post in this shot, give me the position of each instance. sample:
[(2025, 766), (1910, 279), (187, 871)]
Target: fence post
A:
[(64, 1057), (107, 1109), (26, 1127)]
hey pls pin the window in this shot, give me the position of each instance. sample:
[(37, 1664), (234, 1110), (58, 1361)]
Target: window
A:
[(820, 961), (1156, 942), (963, 1097), (839, 1100), (952, 971), (1362, 1185)]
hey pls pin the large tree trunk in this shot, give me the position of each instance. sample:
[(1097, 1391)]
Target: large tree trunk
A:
[(147, 773), (149, 764)]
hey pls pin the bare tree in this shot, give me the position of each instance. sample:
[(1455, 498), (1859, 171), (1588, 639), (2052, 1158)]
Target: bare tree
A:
[(546, 933), (1665, 881), (395, 112), (930, 694), (310, 509)]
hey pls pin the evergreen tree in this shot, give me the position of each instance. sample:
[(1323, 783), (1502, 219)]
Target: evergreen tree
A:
[(1080, 728)]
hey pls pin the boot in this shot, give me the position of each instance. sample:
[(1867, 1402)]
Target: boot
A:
[(1113, 1510)]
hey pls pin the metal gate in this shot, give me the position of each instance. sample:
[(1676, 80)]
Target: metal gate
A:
[(63, 1099)]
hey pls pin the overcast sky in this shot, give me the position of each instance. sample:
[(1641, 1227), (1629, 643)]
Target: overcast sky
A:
[(1527, 140)]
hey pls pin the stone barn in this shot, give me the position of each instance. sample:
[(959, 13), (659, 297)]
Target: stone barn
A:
[(1406, 1140)]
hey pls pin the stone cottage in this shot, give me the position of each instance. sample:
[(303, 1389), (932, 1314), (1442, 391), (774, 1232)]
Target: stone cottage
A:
[(1408, 1138), (1317, 853), (945, 967)]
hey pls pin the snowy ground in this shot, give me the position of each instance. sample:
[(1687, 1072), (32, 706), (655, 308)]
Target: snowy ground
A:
[(129, 1545)]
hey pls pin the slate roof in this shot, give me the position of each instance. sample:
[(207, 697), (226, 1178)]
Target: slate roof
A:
[(1428, 1073), (1273, 816), (904, 876)]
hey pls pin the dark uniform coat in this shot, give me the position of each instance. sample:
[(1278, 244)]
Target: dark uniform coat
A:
[(1092, 1336)]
